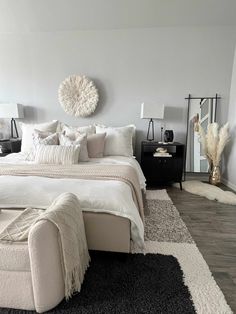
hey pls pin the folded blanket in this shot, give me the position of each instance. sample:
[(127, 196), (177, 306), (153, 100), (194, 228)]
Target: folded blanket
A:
[(66, 215)]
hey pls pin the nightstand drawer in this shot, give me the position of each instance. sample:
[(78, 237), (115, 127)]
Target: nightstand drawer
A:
[(163, 160)]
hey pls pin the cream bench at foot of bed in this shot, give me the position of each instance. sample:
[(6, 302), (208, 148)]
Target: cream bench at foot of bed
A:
[(31, 274)]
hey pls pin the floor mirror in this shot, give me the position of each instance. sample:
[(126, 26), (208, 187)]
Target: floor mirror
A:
[(203, 111)]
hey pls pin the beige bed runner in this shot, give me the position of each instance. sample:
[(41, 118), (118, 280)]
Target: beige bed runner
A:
[(124, 173)]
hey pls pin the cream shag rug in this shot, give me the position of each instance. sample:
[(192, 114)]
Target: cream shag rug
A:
[(166, 233), (209, 191)]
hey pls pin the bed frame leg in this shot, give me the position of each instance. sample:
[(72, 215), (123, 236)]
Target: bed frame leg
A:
[(180, 184)]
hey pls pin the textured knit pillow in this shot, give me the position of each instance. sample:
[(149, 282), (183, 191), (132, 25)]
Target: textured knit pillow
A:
[(118, 141), (56, 154), (28, 130), (95, 145), (76, 139)]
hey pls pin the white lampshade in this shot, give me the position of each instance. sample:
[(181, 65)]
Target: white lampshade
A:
[(9, 111), (149, 111)]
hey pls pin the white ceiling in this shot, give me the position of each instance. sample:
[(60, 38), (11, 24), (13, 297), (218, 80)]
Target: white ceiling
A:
[(18, 16)]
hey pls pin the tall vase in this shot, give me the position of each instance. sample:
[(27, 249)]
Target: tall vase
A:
[(215, 176)]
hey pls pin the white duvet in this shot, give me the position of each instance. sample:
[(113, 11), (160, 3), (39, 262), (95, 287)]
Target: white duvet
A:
[(21, 192)]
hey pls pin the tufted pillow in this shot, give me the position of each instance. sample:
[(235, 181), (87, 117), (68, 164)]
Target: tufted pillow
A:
[(118, 141), (56, 154), (76, 139)]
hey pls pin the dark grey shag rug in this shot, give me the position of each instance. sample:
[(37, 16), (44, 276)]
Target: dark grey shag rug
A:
[(128, 283)]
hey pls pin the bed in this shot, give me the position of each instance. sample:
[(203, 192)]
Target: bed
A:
[(112, 217)]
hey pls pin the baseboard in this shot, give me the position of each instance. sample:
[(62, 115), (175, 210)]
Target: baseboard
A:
[(229, 184)]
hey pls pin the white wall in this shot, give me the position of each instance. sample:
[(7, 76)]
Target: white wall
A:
[(156, 65), (229, 174)]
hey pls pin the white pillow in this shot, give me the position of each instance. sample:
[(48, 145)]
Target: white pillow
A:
[(118, 141), (76, 139), (28, 130), (89, 129), (56, 154), (42, 138)]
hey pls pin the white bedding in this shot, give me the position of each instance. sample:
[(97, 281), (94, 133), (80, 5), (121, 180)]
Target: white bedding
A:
[(21, 192)]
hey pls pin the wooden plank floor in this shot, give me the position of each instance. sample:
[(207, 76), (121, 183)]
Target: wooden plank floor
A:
[(213, 227)]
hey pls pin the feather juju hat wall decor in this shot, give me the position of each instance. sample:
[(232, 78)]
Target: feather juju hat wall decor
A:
[(78, 96)]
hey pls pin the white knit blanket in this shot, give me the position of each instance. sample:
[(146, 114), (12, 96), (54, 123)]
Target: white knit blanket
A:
[(66, 215)]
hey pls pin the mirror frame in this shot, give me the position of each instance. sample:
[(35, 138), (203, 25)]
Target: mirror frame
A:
[(189, 98)]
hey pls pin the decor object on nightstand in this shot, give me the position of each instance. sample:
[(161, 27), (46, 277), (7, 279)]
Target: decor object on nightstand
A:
[(168, 136), (151, 112), (12, 111), (161, 152), (162, 164), (213, 143), (78, 96)]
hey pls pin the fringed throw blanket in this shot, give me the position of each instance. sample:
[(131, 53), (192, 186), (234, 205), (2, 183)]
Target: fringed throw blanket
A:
[(66, 215), (122, 173)]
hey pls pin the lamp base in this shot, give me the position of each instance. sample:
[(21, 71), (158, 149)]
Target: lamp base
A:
[(13, 125), (150, 125)]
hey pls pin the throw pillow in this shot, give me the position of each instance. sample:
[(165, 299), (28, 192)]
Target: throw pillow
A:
[(118, 141), (76, 139), (28, 130), (41, 138), (96, 144), (89, 129), (56, 154)]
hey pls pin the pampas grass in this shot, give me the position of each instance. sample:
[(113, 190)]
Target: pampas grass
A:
[(213, 142), (223, 140)]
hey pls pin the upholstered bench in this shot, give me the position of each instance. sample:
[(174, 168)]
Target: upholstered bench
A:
[(31, 275)]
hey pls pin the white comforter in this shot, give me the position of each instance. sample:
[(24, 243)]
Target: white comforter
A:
[(21, 192)]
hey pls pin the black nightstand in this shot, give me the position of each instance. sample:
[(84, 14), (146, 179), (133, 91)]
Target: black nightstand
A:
[(10, 146), (162, 170)]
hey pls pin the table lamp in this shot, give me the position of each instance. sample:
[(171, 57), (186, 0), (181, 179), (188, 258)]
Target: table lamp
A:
[(12, 111), (149, 111)]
